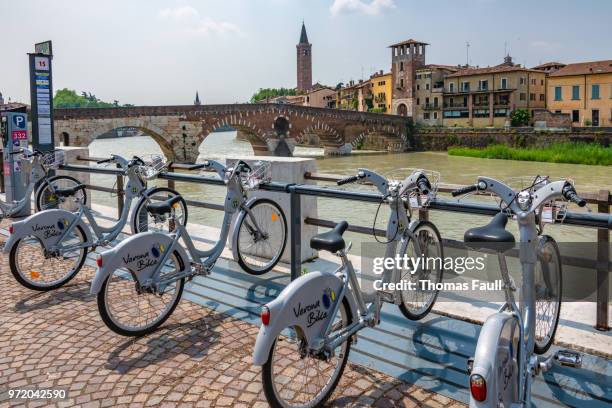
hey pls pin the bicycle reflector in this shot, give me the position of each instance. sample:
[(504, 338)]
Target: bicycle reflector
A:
[(265, 315), (99, 261), (478, 387), (11, 229)]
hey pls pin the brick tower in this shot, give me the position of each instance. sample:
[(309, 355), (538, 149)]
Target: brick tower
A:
[(304, 62), (406, 58)]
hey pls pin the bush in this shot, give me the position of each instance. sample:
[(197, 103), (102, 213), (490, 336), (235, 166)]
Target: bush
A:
[(519, 117), (588, 122)]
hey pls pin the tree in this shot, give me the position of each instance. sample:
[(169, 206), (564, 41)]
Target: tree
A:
[(269, 93), (520, 117), (68, 98)]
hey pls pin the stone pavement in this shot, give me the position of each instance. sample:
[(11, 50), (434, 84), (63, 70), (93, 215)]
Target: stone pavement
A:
[(199, 357)]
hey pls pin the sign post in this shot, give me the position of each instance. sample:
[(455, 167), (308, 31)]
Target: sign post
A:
[(41, 97)]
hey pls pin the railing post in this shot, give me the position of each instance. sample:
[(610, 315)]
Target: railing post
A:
[(603, 260), (120, 194), (296, 232), (171, 182)]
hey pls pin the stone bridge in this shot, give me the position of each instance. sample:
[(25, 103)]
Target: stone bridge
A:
[(272, 129)]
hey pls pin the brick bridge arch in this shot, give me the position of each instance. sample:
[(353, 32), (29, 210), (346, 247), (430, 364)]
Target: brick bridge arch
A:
[(179, 130)]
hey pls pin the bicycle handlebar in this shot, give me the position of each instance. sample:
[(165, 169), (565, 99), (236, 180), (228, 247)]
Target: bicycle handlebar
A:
[(570, 194), (350, 179), (104, 161), (465, 190), (423, 184)]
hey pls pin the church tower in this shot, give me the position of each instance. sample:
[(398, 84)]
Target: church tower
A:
[(304, 62)]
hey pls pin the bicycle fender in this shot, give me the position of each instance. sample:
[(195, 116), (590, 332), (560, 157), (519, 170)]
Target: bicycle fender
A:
[(237, 222), (48, 226), (307, 303), (140, 254), (497, 345)]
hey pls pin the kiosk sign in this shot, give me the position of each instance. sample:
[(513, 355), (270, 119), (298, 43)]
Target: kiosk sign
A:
[(41, 96)]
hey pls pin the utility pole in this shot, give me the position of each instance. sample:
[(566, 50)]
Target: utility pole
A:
[(467, 54)]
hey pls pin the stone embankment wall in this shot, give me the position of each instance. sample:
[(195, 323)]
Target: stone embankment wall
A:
[(443, 138)]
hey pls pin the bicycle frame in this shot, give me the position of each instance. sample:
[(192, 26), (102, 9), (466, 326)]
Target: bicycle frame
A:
[(528, 362)]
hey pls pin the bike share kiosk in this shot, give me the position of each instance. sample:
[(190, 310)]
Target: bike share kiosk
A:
[(14, 139)]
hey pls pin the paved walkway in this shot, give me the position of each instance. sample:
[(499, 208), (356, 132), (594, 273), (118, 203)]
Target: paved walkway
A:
[(199, 357)]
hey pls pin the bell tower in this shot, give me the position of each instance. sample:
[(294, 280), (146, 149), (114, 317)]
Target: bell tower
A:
[(304, 62), (406, 58)]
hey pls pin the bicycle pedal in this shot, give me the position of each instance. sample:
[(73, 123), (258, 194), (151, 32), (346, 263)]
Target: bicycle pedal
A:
[(388, 297), (569, 358)]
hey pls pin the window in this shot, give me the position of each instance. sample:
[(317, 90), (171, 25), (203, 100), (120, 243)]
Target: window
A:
[(483, 85), (533, 81), (576, 115), (427, 87), (418, 101), (401, 82), (418, 87), (465, 87), (500, 113), (542, 98), (435, 115), (523, 96), (542, 82), (557, 93), (532, 97), (594, 91), (426, 116), (401, 66), (426, 101), (465, 99), (436, 102), (418, 76), (522, 81), (504, 83), (576, 92), (481, 113), (557, 111), (451, 101), (451, 87)]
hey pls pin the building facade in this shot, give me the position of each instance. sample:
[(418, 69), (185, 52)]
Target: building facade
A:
[(583, 90), (406, 58), (321, 97), (429, 93), (484, 97), (355, 96), (304, 62), (381, 85)]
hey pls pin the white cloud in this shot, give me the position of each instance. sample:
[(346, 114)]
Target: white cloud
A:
[(372, 8), (191, 22)]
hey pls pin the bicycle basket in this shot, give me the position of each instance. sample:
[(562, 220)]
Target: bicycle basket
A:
[(261, 173), (53, 160), (154, 164)]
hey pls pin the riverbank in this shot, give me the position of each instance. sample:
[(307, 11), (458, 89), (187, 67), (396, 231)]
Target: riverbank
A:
[(573, 153)]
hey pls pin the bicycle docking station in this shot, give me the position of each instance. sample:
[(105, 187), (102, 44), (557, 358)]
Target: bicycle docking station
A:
[(14, 129)]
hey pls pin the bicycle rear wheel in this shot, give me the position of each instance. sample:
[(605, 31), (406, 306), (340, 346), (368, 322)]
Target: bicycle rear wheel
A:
[(548, 292), (130, 311), (142, 221), (46, 198), (293, 378), (417, 303), (35, 269)]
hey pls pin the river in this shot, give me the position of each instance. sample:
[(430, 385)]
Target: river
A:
[(453, 169)]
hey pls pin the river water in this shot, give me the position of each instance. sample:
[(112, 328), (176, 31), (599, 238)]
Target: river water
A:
[(453, 169)]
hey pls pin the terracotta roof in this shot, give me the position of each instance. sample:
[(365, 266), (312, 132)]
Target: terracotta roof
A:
[(491, 70), (410, 41), (582, 68), (440, 66), (549, 64), (13, 106)]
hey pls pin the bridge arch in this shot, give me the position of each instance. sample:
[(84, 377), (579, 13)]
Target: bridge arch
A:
[(249, 131)]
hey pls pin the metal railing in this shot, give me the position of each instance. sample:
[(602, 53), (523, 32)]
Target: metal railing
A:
[(602, 220)]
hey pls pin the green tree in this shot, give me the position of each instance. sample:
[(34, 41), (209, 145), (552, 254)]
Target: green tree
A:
[(68, 98), (269, 93), (519, 117)]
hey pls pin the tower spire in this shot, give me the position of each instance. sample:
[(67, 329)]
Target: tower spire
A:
[(197, 99), (303, 36)]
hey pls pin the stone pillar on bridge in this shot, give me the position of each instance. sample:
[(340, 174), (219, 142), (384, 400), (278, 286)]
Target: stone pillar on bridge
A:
[(185, 142)]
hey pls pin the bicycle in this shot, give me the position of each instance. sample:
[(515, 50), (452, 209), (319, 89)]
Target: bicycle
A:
[(306, 332), (139, 283), (510, 344), (41, 164), (48, 249)]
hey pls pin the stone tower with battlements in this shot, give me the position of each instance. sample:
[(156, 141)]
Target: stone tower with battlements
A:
[(406, 58), (304, 62)]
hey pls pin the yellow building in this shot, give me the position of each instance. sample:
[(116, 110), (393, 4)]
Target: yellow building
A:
[(381, 91), (584, 91)]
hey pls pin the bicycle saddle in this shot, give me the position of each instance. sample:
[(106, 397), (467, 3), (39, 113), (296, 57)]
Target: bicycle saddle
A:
[(491, 236), (331, 241), (70, 191), (163, 207)]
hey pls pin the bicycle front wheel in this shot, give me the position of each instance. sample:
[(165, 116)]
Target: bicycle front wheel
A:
[(292, 377), (262, 236), (548, 291), (46, 198), (129, 310), (36, 269), (142, 221)]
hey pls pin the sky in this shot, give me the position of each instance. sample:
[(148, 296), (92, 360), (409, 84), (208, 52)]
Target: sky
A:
[(154, 52)]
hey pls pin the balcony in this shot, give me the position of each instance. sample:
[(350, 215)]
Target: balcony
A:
[(437, 89), (455, 106), (430, 106)]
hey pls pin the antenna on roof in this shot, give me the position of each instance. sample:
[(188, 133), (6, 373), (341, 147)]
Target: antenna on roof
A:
[(467, 53), (505, 48)]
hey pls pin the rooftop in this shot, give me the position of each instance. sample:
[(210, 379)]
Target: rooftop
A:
[(303, 36), (491, 70), (583, 68), (439, 66), (549, 64), (407, 42)]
